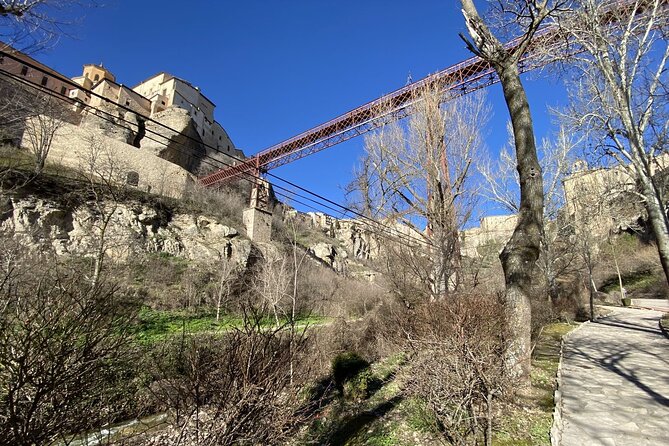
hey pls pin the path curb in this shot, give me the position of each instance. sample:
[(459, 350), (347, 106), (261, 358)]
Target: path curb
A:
[(664, 329), (556, 428)]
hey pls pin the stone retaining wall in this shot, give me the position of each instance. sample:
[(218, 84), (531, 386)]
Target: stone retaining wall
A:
[(80, 148)]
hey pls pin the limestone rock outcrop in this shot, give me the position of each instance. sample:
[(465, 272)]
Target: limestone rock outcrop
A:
[(361, 243), (183, 147), (329, 255), (133, 228), (112, 123)]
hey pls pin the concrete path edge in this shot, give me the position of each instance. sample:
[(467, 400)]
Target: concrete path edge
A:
[(664, 329), (557, 426)]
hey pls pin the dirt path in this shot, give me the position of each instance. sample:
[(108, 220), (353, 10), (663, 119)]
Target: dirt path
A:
[(615, 382)]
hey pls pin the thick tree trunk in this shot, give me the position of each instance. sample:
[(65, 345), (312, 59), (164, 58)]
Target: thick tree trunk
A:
[(520, 254), (658, 220)]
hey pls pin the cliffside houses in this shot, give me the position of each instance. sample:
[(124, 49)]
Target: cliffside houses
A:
[(167, 118)]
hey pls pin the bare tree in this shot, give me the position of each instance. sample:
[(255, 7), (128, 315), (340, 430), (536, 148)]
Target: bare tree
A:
[(31, 25), (456, 369), (586, 237), (65, 350), (227, 273), (231, 388), (620, 94), (272, 284), (41, 128), (419, 177), (36, 117), (556, 157), (521, 252), (105, 175), (600, 202)]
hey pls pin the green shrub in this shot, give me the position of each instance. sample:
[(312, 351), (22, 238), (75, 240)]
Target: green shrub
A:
[(362, 385), (346, 366), (419, 416)]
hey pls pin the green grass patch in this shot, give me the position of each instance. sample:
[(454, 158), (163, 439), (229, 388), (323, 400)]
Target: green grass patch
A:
[(418, 416), (636, 281), (386, 369), (155, 325), (527, 422), (380, 435)]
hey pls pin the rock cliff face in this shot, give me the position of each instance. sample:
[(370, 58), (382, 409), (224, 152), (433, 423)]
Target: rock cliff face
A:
[(184, 148), (350, 239), (133, 228), (112, 123)]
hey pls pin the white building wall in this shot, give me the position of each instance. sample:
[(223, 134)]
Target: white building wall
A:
[(164, 90)]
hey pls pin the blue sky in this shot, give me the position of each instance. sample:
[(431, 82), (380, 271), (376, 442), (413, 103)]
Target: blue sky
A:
[(276, 68)]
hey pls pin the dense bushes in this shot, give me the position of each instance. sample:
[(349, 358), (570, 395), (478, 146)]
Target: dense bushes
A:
[(66, 356), (456, 368), (239, 387)]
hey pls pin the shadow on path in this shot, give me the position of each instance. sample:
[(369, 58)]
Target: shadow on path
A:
[(625, 356), (625, 325), (352, 426)]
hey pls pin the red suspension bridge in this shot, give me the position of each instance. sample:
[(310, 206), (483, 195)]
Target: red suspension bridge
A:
[(462, 78)]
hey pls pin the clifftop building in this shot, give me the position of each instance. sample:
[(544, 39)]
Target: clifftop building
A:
[(157, 98), (165, 90), (170, 101), (161, 134), (42, 75)]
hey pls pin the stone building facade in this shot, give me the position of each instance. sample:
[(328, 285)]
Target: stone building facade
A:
[(605, 199), (163, 126), (77, 147), (165, 90), (493, 232), (43, 75), (199, 143)]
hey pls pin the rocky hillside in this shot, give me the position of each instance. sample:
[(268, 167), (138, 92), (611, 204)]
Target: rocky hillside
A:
[(133, 226), (52, 215)]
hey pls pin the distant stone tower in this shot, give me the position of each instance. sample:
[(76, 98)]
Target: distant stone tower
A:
[(257, 218)]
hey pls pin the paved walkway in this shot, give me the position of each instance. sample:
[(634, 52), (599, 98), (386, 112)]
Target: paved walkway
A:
[(652, 304), (615, 382)]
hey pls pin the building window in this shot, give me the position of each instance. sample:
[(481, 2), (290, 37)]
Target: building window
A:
[(2, 59), (132, 178), (162, 102), (24, 70), (97, 78), (212, 132), (127, 102), (63, 90), (44, 80)]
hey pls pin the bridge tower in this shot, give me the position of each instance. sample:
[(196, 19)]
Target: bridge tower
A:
[(257, 217)]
